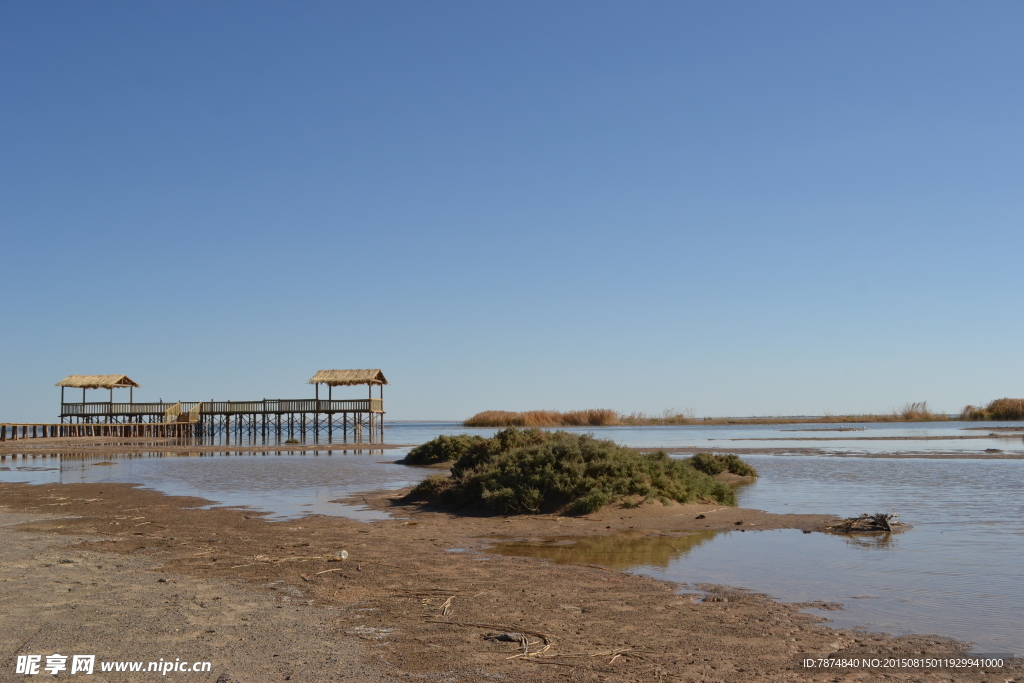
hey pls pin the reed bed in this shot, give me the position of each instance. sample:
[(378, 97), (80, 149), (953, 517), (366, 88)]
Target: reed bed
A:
[(544, 418), (911, 412), (999, 409)]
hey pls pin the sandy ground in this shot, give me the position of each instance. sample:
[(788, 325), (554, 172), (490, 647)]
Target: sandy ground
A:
[(129, 574)]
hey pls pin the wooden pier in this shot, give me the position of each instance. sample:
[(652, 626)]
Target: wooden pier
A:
[(244, 421), (10, 431)]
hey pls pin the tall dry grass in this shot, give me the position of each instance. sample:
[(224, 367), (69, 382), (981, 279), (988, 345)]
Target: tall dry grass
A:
[(668, 417), (911, 412), (999, 409), (544, 418), (916, 412)]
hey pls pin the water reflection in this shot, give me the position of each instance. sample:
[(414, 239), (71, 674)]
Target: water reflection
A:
[(623, 551), (880, 540)]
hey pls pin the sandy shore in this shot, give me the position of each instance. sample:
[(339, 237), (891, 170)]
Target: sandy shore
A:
[(128, 574)]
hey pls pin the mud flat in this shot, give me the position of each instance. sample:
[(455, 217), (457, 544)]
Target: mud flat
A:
[(126, 574)]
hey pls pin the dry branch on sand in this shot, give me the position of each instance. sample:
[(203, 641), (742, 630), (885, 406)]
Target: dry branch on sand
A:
[(876, 522)]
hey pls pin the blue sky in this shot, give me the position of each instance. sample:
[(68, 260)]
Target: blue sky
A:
[(734, 208)]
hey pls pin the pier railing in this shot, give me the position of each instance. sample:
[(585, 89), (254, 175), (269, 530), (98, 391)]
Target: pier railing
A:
[(269, 406)]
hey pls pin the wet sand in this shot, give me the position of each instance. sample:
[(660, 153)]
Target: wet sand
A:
[(127, 573)]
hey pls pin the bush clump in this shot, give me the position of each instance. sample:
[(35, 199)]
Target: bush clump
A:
[(442, 449), (529, 471), (710, 463), (999, 409)]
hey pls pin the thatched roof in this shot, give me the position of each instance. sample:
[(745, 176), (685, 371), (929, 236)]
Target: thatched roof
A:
[(344, 378), (97, 382)]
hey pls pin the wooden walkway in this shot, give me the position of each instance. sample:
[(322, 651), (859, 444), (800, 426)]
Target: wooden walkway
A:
[(42, 430), (255, 421), (222, 408)]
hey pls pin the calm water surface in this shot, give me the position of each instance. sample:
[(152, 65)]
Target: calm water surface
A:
[(287, 485), (957, 573), (870, 438)]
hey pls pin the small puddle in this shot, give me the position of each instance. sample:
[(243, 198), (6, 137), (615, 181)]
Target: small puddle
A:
[(623, 551)]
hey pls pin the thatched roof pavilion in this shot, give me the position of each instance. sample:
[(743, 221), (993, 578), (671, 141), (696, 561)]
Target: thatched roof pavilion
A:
[(97, 382), (111, 382), (347, 378)]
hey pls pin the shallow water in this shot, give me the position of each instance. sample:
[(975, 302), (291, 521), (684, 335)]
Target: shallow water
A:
[(286, 485), (869, 438), (957, 573)]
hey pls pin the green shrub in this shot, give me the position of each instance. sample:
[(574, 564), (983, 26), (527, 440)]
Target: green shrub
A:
[(533, 471), (429, 488), (442, 449), (710, 463)]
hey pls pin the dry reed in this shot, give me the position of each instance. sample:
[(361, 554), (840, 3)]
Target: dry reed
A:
[(544, 418), (999, 409), (911, 412)]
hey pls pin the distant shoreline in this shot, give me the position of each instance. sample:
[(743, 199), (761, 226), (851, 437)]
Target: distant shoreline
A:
[(915, 412)]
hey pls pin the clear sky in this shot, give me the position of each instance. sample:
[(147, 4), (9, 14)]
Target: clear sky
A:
[(738, 208)]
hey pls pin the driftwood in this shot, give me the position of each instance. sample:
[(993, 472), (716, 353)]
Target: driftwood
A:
[(877, 522)]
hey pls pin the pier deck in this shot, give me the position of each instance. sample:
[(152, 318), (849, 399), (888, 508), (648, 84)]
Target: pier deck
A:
[(269, 418)]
